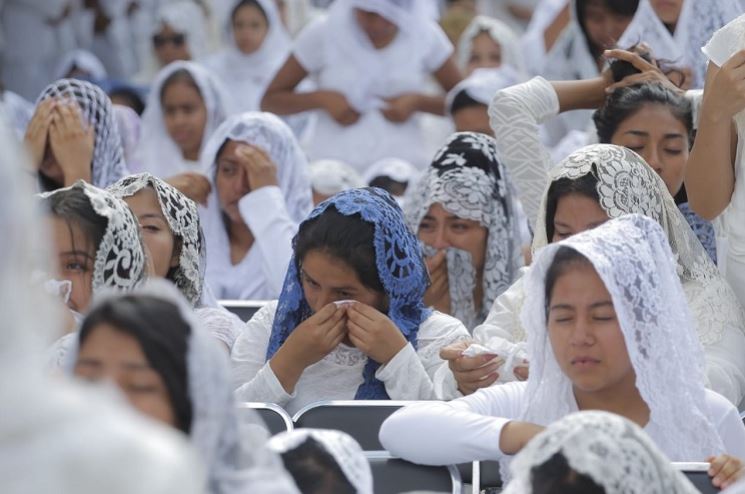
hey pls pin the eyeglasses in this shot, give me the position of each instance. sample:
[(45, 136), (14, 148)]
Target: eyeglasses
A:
[(160, 40)]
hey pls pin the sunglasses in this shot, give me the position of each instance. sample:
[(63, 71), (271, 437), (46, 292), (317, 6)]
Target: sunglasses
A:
[(160, 40)]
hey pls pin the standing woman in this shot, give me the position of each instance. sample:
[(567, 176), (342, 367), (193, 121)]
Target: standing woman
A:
[(260, 192), (186, 104), (257, 45), (369, 59)]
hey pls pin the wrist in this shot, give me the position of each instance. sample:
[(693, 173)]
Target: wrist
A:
[(72, 177)]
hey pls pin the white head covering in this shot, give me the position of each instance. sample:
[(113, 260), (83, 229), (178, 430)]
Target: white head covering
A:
[(632, 257), (698, 21), (329, 177), (341, 446), (128, 123), (613, 451), (498, 31), (83, 60), (108, 157), (483, 84), (395, 168), (247, 76), (158, 153), (186, 17)]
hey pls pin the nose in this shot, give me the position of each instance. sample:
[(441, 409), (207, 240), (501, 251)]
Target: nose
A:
[(324, 298), (652, 158), (440, 240), (240, 183), (581, 334)]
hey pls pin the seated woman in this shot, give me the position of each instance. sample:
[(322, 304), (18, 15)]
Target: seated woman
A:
[(465, 213), (73, 136), (172, 234), (393, 175), (595, 453), (350, 322), (175, 374), (594, 184), (609, 329), (329, 177), (488, 43), (259, 178), (185, 105)]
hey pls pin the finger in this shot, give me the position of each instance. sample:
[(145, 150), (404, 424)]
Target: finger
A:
[(633, 58), (488, 380), (627, 81), (453, 351), (735, 60), (323, 315), (476, 376), (358, 342), (362, 313), (481, 362)]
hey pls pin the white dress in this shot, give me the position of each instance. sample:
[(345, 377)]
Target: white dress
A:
[(408, 376)]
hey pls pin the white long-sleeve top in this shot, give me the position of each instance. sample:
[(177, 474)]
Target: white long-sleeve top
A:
[(408, 375), (469, 429)]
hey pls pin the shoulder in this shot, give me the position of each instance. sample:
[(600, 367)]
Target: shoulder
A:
[(439, 324)]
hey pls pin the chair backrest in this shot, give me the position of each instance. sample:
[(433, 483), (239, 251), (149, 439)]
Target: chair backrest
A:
[(698, 474), (361, 419), (244, 309), (275, 417), (393, 475)]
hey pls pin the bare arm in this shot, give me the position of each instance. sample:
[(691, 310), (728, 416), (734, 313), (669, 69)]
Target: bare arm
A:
[(280, 97)]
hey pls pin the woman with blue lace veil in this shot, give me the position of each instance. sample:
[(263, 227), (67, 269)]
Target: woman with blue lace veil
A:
[(350, 322)]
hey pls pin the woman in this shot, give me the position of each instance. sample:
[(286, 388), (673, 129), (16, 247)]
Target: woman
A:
[(608, 330), (258, 175), (258, 44), (370, 60), (176, 375), (329, 177), (185, 106), (488, 44), (350, 322), (595, 452), (73, 136), (465, 213), (171, 231), (392, 175)]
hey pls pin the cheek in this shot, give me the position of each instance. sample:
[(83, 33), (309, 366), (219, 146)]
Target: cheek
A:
[(160, 246), (80, 295), (154, 405), (558, 341)]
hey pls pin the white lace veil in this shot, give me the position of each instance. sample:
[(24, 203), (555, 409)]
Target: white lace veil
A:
[(108, 164), (632, 256), (498, 31), (613, 451), (698, 21), (158, 153)]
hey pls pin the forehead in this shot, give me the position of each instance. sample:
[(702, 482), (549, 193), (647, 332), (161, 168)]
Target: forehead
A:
[(653, 119), (329, 270), (113, 345), (181, 92), (69, 235), (579, 282), (144, 201)]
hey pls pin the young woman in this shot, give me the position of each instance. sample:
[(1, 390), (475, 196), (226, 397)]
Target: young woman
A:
[(257, 45), (370, 60), (351, 321), (73, 136), (608, 329), (185, 106), (592, 185), (260, 192), (175, 374), (466, 214), (489, 44), (172, 233)]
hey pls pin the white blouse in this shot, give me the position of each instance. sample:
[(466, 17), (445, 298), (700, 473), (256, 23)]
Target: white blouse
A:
[(469, 429), (408, 375)]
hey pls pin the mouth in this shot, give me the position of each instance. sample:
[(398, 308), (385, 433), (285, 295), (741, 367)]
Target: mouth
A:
[(584, 362)]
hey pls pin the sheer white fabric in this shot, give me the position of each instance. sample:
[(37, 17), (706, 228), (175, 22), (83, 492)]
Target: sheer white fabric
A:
[(698, 21), (501, 34), (329, 177), (394, 168), (17, 110), (82, 60), (482, 84), (408, 376), (128, 123), (271, 213), (158, 153), (246, 77), (614, 452)]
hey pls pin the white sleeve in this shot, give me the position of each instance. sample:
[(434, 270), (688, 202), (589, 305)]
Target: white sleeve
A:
[(728, 423), (308, 48), (410, 374), (463, 430), (221, 324), (725, 365), (265, 213), (253, 378), (439, 50), (515, 114)]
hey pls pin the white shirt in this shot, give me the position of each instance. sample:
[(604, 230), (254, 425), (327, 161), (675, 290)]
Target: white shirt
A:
[(407, 376), (469, 429)]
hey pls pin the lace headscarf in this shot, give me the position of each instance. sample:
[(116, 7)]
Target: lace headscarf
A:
[(183, 219), (108, 163), (158, 153), (501, 34), (483, 84), (120, 257), (613, 451), (632, 257), (698, 21), (467, 179), (341, 446), (400, 266), (626, 184)]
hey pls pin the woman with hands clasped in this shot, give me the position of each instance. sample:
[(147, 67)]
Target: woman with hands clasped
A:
[(350, 322), (72, 136)]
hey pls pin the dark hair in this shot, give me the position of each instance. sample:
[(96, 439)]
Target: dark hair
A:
[(555, 476), (315, 471), (249, 3), (161, 331), (180, 75), (564, 258), (463, 100), (393, 187), (133, 98), (349, 238), (585, 185), (74, 207), (626, 8), (625, 102)]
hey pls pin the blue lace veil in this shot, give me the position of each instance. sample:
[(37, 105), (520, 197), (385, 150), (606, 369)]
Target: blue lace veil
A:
[(401, 270)]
